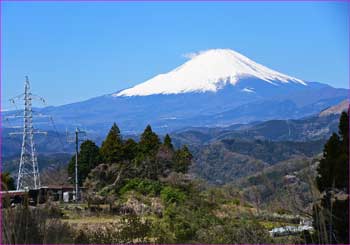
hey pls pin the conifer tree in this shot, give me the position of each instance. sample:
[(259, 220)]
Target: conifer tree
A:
[(165, 156), (130, 149), (326, 170), (167, 142), (332, 181), (182, 160), (333, 168), (149, 142), (112, 147), (146, 158), (88, 158)]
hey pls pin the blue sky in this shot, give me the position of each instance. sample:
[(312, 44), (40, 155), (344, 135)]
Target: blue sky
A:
[(77, 50)]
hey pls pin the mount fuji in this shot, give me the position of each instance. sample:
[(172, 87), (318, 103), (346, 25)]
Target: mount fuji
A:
[(217, 87), (209, 71)]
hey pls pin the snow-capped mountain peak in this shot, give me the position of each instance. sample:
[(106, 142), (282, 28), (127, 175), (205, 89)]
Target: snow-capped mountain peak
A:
[(208, 71)]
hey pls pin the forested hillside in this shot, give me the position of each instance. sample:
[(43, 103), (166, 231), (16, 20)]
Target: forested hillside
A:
[(224, 161)]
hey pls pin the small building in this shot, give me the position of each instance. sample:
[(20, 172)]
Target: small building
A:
[(54, 193)]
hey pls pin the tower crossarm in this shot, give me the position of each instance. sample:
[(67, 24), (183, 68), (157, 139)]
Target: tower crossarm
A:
[(34, 132)]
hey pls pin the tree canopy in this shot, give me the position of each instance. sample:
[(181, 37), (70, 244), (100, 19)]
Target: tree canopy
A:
[(182, 160), (167, 142), (334, 168), (332, 181), (149, 142), (147, 159), (112, 146), (7, 182), (88, 158)]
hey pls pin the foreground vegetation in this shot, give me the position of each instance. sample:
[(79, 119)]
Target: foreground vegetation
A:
[(174, 211), (142, 192)]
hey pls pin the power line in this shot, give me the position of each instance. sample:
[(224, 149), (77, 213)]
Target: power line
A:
[(57, 134)]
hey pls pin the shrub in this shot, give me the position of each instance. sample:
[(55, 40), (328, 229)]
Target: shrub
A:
[(172, 195), (131, 230), (81, 238), (181, 222), (28, 225), (282, 211), (236, 202), (143, 186)]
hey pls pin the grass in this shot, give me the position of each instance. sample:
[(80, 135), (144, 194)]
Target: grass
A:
[(94, 220), (80, 218)]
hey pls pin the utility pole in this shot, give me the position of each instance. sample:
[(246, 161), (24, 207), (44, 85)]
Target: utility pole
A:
[(28, 172), (76, 141), (76, 162)]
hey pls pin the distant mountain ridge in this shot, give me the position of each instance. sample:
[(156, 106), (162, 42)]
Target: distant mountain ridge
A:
[(336, 109), (221, 154), (215, 88), (316, 127)]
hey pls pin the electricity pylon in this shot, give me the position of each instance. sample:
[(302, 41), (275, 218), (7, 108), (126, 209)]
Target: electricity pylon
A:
[(28, 172)]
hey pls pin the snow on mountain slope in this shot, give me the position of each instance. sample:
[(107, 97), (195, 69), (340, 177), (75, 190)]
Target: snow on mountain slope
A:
[(208, 71)]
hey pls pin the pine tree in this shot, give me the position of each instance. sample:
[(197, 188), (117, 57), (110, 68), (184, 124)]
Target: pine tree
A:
[(343, 179), (146, 158), (165, 156), (149, 142), (167, 142), (333, 168), (88, 158), (344, 127), (112, 147), (332, 181), (182, 160), (326, 169), (130, 149)]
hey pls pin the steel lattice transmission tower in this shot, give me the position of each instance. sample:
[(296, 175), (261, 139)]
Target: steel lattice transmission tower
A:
[(28, 172)]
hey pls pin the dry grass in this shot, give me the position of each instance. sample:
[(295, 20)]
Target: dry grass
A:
[(94, 220)]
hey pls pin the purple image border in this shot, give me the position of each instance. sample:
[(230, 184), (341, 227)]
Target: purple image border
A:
[(197, 1), (0, 120)]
